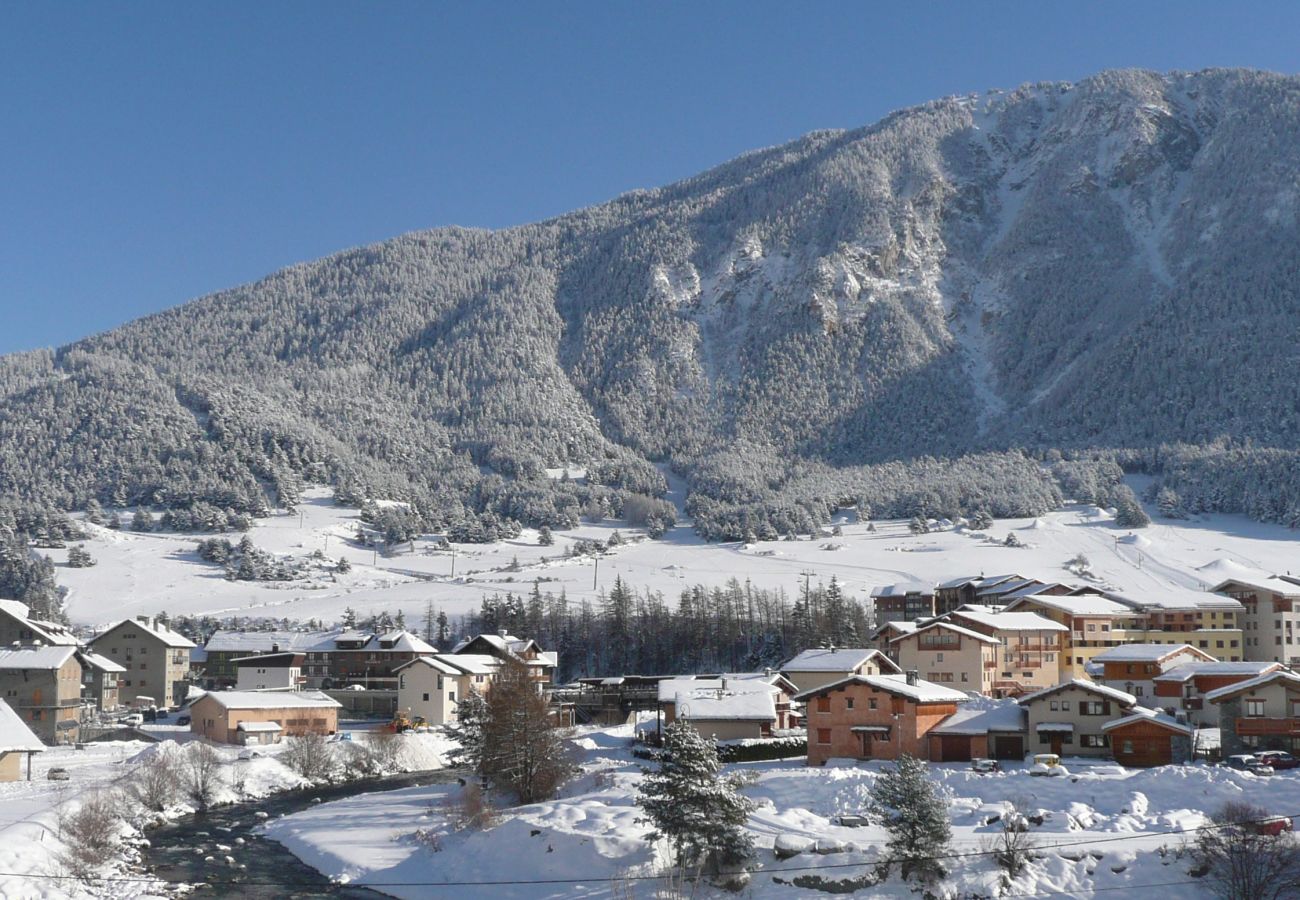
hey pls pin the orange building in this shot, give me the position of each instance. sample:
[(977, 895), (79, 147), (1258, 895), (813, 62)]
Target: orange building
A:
[(262, 717), (875, 717)]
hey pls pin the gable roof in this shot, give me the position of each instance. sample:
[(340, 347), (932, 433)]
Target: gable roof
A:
[(94, 660), (48, 632), (457, 663), (271, 700), (1148, 653), (742, 699), (921, 692), (1217, 668), (1089, 686), (1291, 679), (973, 635), (28, 657), (15, 736), (981, 720), (1010, 621), (1075, 605), (262, 641), (1150, 717), (161, 632), (844, 659)]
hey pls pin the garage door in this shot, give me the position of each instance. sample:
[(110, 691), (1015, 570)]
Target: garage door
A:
[(954, 748), (1008, 746)]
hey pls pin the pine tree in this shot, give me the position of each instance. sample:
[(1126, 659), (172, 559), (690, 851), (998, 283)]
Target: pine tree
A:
[(343, 567), (79, 557), (349, 618), (467, 731), (142, 520), (544, 537), (444, 632), (1130, 514), (918, 526), (430, 621), (915, 812), (689, 802)]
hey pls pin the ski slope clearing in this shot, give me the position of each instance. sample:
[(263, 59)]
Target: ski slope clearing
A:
[(139, 574), (1105, 828)]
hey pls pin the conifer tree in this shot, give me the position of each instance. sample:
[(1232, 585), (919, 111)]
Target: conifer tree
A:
[(467, 730), (915, 812)]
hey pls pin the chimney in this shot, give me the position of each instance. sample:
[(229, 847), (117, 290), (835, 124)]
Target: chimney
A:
[(501, 632), (142, 619), (724, 682), (275, 648), (912, 677), (767, 671)]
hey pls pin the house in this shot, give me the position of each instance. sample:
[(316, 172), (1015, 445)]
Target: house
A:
[(262, 717), (156, 660), (950, 654), (361, 658), (541, 664), (1146, 738), (270, 672), (903, 602), (1134, 667), (99, 678), (813, 668), (1259, 714), (882, 637), (18, 627), (1182, 690), (431, 687), (43, 686), (218, 667), (16, 741), (730, 706), (1270, 616), (1093, 623), (1029, 647), (1067, 719), (980, 730), (875, 716)]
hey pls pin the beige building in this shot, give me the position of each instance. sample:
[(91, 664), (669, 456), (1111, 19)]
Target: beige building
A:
[(156, 660), (16, 742), (729, 707), (1270, 618), (431, 687), (270, 672), (1067, 719), (1093, 623), (994, 653), (951, 655), (814, 668), (1260, 714), (18, 627), (43, 685), (262, 717)]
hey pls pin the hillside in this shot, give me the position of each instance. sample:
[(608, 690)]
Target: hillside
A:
[(1105, 264)]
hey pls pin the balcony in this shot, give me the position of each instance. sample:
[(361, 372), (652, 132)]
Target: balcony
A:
[(1263, 725)]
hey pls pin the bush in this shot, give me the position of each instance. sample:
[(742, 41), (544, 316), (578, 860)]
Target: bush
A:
[(91, 832), (756, 751), (311, 756), (200, 775), (154, 783)]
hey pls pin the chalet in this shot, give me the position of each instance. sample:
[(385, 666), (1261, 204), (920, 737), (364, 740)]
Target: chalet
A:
[(16, 741), (994, 731), (730, 706), (903, 602), (43, 686), (155, 659), (950, 654), (1259, 714), (219, 669), (541, 664), (875, 716), (1133, 667), (1067, 719), (1029, 648), (882, 637), (813, 668), (1270, 617), (431, 687), (1146, 738), (360, 658), (270, 672), (262, 717), (1182, 691)]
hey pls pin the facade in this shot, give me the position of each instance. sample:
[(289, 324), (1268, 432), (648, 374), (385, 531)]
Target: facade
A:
[(431, 687), (1029, 648), (1094, 623), (43, 686), (875, 716), (949, 654), (962, 591), (1181, 692), (729, 707), (18, 627), (813, 668), (1145, 738), (17, 742), (903, 602), (270, 672), (219, 669), (262, 717), (360, 658), (1067, 719), (882, 637), (990, 732), (99, 678), (1259, 714), (541, 664), (1270, 617), (155, 659), (1133, 668)]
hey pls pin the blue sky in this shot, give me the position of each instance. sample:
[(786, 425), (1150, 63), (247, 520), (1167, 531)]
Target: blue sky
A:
[(154, 152)]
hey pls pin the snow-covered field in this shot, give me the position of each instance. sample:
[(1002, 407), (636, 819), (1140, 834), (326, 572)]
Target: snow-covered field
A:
[(140, 574), (1104, 829)]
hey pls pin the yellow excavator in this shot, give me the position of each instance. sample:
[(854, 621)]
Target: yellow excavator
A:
[(402, 720)]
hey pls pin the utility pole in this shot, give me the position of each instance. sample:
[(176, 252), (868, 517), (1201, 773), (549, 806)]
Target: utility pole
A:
[(300, 514), (453, 560), (595, 572)]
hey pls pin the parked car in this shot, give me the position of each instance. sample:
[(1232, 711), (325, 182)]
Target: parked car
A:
[(985, 766), (1278, 759), (1048, 764), (1273, 826), (161, 714), (58, 775), (183, 719), (246, 755), (134, 720), (1248, 762)]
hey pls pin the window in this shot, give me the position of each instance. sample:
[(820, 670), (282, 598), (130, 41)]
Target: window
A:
[(1065, 705), (426, 698), (1254, 708), (1127, 747), (963, 677), (1218, 644), (1054, 706), (1138, 690), (1204, 644), (871, 703), (823, 704), (1094, 708), (938, 657), (1092, 627), (1094, 740), (452, 696), (823, 735), (848, 702)]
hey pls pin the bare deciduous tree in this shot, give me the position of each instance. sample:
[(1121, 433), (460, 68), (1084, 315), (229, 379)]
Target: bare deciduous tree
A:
[(200, 775), (311, 756), (90, 832), (1245, 862), (522, 750), (153, 784)]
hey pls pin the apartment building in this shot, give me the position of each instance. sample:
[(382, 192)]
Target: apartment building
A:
[(1181, 692), (1093, 623), (903, 602), (221, 651), (362, 658), (155, 660), (1270, 617), (43, 686)]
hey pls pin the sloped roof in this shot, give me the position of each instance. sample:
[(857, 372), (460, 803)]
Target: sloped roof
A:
[(161, 632), (844, 659), (1149, 716), (1291, 679), (48, 632), (922, 692), (1178, 600), (1090, 686), (1076, 605), (27, 657), (282, 659), (950, 626), (272, 700), (457, 663), (1009, 716), (262, 641), (903, 588), (1148, 653), (103, 663), (1195, 669), (1011, 621), (15, 736), (742, 699), (1007, 587)]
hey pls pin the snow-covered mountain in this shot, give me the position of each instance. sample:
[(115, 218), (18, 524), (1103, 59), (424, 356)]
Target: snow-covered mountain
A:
[(1109, 263)]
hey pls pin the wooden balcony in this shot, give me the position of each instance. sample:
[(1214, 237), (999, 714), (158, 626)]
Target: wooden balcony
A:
[(1263, 725)]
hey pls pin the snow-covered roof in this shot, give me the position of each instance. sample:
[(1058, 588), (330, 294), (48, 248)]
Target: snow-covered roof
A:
[(1289, 678), (959, 582), (948, 626), (1005, 716), (272, 699), (1011, 621), (922, 691), (1142, 714), (844, 659), (720, 698), (262, 641), (103, 663), (1191, 600), (28, 657), (903, 588), (259, 726), (1030, 590), (1225, 571), (48, 632), (1076, 605), (1054, 726), (1195, 669), (15, 736), (1007, 587), (457, 663), (1091, 686), (281, 659), (1147, 653), (161, 632)]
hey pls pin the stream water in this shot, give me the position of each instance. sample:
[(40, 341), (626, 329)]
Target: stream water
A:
[(195, 849)]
